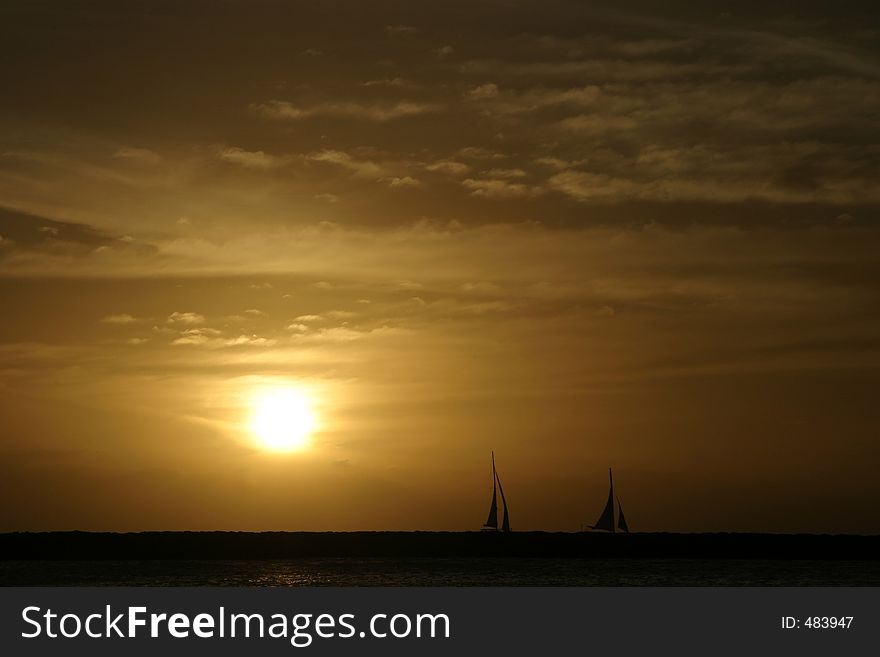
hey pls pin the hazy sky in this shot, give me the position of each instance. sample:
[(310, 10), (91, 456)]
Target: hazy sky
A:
[(580, 234)]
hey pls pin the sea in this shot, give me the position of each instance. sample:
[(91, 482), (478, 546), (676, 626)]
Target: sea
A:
[(442, 572)]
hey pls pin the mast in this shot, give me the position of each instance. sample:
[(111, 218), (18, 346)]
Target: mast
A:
[(610, 496)]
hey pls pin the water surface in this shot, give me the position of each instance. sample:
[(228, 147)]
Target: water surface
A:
[(442, 572)]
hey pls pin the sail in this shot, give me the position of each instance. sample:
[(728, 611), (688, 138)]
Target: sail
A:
[(606, 520), (492, 520), (505, 521), (621, 521)]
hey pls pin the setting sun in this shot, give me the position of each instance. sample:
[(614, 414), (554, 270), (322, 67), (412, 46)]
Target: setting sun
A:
[(282, 420)]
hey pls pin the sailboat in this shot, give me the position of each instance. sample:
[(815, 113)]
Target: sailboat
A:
[(606, 520), (492, 521)]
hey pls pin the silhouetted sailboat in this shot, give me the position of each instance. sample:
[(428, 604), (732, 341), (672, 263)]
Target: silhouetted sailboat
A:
[(492, 520), (606, 520)]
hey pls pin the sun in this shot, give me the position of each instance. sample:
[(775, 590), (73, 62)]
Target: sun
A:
[(282, 420)]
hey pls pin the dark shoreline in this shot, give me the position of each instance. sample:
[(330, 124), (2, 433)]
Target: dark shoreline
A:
[(285, 545)]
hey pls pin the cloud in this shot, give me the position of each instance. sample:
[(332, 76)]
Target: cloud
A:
[(494, 101), (378, 112), (499, 189), (385, 82), (142, 155), (359, 168), (599, 70), (251, 159), (335, 334), (341, 314), (35, 241), (778, 174), (483, 91), (187, 319), (654, 112), (343, 334), (583, 186), (596, 124), (586, 187), (405, 181), (508, 174), (249, 341), (555, 162), (651, 46), (401, 29), (575, 96), (121, 319), (211, 338), (449, 167), (480, 153), (480, 287)]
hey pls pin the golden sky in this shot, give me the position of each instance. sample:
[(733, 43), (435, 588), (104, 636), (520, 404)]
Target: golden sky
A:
[(580, 234)]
